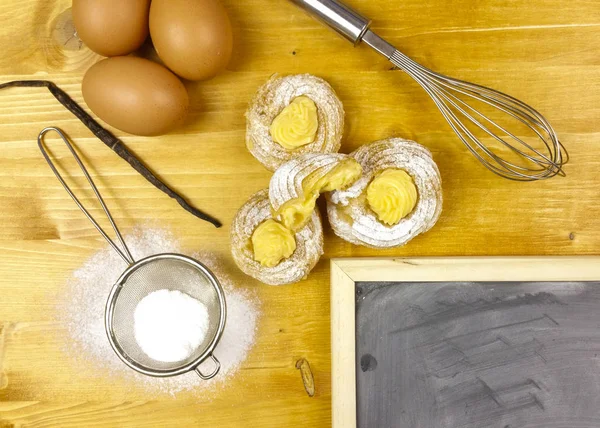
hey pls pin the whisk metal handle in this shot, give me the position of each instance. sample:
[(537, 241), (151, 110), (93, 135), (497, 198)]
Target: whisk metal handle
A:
[(347, 22), (125, 254), (338, 16)]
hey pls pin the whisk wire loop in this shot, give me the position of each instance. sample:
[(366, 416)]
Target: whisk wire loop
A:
[(537, 162)]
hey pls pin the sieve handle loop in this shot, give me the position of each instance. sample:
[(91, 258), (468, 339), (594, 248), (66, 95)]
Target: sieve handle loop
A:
[(124, 253), (214, 372)]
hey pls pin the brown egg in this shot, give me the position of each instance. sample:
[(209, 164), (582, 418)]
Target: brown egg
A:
[(111, 27), (192, 37), (135, 95)]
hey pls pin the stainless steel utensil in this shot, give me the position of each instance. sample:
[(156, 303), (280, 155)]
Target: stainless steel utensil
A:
[(142, 277), (539, 156)]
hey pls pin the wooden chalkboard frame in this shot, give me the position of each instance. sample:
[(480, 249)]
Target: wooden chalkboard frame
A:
[(345, 273)]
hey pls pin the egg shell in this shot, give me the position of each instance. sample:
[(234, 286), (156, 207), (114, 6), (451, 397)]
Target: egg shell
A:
[(111, 27), (135, 95), (192, 37)]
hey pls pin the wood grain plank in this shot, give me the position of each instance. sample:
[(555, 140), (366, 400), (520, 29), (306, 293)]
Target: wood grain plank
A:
[(546, 52)]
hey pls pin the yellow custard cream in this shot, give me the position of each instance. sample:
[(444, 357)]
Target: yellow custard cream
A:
[(297, 124), (296, 212), (392, 195), (272, 243)]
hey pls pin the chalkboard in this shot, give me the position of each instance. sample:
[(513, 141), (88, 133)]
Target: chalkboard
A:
[(468, 351), (478, 355)]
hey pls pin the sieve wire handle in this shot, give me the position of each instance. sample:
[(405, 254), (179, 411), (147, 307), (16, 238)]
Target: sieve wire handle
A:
[(214, 372), (124, 253)]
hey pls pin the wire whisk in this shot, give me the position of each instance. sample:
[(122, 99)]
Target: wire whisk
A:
[(539, 162), (465, 106)]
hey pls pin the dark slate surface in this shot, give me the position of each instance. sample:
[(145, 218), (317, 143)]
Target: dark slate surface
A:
[(478, 355)]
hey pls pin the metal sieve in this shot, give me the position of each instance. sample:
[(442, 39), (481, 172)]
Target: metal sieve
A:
[(142, 277)]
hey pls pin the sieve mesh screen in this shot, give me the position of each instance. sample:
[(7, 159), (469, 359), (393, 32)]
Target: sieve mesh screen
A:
[(172, 272)]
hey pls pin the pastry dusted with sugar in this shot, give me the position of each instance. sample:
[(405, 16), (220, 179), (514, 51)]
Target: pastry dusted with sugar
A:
[(268, 251), (291, 116), (277, 236), (296, 185), (398, 196)]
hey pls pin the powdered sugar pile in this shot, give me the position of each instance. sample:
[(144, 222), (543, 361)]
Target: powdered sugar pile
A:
[(170, 325), (84, 299)]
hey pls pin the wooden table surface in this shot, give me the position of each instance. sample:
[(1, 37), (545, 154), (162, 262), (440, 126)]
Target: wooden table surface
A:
[(546, 52)]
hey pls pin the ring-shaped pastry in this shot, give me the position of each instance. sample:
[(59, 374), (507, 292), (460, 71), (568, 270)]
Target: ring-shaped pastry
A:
[(296, 185), (355, 221), (321, 129), (308, 244)]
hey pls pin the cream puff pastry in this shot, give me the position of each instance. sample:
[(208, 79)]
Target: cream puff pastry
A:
[(293, 115), (266, 250), (296, 185), (398, 196)]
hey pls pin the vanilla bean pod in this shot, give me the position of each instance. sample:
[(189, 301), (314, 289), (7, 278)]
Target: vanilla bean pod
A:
[(111, 141)]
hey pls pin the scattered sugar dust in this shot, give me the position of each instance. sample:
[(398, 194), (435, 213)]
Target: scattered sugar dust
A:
[(82, 312)]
